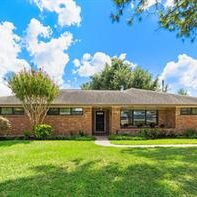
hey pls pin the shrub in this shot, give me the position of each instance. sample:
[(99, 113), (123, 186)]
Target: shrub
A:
[(190, 133), (81, 133), (43, 131), (149, 133), (5, 126), (27, 134)]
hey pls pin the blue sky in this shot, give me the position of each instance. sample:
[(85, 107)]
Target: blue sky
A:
[(91, 39)]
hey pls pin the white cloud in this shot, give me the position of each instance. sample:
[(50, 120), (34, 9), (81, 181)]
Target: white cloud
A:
[(67, 10), (49, 55), (123, 56), (91, 64), (150, 3), (169, 3), (181, 74), (9, 50)]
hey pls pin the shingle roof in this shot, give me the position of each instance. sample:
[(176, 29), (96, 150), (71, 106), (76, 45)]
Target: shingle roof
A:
[(111, 97)]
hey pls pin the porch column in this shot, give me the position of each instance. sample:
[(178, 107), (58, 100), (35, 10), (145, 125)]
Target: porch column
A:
[(115, 119)]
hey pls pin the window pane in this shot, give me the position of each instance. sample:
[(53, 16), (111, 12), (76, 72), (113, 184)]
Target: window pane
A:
[(139, 117), (65, 111), (53, 111), (126, 118), (77, 111), (6, 111), (18, 111), (194, 111), (151, 117), (185, 111)]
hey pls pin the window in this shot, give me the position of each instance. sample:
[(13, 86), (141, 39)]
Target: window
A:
[(138, 118), (6, 111), (12, 111), (188, 111), (76, 111), (185, 111), (151, 117), (18, 111), (65, 111), (53, 111), (126, 118), (194, 111)]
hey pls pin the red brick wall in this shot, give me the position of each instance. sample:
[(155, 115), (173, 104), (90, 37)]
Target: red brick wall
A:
[(63, 125), (19, 124), (185, 121), (167, 118), (115, 119)]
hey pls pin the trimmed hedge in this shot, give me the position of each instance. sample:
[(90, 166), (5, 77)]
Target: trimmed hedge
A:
[(156, 133), (73, 137)]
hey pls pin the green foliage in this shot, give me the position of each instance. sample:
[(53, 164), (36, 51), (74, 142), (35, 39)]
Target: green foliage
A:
[(82, 169), (181, 17), (36, 91), (120, 74), (43, 131), (182, 92), (150, 133), (190, 133), (27, 134), (5, 126), (73, 137), (157, 133), (143, 79)]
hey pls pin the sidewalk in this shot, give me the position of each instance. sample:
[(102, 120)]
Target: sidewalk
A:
[(103, 141)]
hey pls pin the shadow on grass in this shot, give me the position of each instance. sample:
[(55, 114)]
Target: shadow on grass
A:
[(111, 179), (5, 143), (165, 154)]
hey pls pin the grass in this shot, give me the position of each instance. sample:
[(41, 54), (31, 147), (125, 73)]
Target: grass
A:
[(81, 168), (156, 141)]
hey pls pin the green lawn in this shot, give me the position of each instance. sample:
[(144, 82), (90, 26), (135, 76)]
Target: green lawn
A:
[(156, 141), (77, 168)]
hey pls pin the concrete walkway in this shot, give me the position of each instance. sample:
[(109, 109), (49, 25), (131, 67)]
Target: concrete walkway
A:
[(103, 141)]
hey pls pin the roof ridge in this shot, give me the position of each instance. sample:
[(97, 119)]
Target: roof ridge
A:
[(89, 90), (157, 92)]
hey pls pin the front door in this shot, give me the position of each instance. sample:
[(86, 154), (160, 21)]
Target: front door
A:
[(100, 122)]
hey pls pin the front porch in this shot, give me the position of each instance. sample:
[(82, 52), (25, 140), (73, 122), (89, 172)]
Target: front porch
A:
[(111, 120)]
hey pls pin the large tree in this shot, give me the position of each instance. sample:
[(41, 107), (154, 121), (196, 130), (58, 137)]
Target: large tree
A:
[(179, 16), (120, 75), (182, 91), (36, 91)]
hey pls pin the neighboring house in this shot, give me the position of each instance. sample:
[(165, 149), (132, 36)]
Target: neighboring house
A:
[(108, 111)]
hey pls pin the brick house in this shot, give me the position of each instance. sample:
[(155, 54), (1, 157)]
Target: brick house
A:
[(108, 111)]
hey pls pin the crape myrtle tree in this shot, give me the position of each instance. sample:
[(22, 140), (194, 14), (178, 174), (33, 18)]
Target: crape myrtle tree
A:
[(36, 91), (179, 16), (120, 75)]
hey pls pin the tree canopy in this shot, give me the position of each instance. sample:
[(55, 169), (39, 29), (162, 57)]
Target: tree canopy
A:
[(179, 16), (120, 75), (36, 91), (182, 91)]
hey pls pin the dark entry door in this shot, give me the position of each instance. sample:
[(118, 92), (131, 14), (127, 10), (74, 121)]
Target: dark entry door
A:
[(100, 121)]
